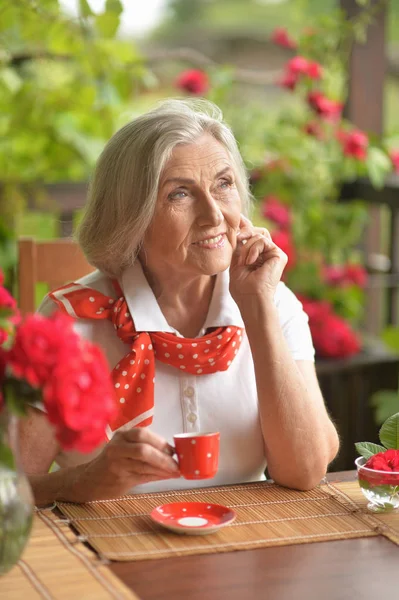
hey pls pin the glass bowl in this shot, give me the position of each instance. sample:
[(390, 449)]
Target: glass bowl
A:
[(381, 488)]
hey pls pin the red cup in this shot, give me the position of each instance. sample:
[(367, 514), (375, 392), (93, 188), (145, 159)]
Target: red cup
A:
[(197, 454)]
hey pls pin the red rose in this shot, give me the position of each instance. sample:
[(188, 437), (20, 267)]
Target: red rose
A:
[(384, 461), (323, 106), (283, 240), (314, 129), (280, 37), (79, 398), (276, 211), (394, 156), (38, 343), (193, 81), (355, 143)]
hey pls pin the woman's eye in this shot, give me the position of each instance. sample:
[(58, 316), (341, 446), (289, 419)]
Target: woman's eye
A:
[(225, 184), (178, 195)]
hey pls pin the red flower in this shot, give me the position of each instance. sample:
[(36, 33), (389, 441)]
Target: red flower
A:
[(323, 106), (276, 211), (315, 129), (8, 311), (317, 310), (354, 143), (37, 347), (193, 81), (314, 70), (342, 275), (356, 274), (384, 461), (394, 156), (289, 81), (298, 65), (280, 37), (332, 336), (72, 398), (283, 240)]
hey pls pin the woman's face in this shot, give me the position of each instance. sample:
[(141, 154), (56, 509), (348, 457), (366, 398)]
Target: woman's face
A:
[(197, 213)]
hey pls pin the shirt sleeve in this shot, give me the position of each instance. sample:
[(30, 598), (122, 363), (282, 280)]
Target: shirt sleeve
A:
[(294, 323)]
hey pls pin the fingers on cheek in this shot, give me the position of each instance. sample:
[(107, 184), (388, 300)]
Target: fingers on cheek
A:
[(253, 252)]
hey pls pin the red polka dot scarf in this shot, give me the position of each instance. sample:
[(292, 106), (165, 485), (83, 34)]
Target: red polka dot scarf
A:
[(134, 375)]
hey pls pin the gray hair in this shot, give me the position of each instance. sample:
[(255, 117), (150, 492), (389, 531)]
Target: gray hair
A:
[(124, 188)]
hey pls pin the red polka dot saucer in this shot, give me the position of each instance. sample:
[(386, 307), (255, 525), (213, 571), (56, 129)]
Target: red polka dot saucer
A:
[(193, 518)]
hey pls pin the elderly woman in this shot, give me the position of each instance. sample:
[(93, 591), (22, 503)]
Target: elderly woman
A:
[(188, 305)]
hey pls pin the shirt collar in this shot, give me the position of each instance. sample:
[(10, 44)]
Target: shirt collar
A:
[(147, 315)]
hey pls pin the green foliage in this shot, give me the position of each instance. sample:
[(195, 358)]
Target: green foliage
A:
[(367, 449), (389, 438), (389, 432), (63, 85), (385, 403)]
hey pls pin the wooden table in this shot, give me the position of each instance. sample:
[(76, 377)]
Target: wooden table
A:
[(357, 569)]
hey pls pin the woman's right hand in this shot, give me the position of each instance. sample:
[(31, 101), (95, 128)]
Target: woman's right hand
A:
[(131, 458)]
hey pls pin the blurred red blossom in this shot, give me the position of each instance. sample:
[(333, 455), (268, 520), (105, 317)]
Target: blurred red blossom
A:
[(288, 81), (277, 212), (71, 394), (283, 240), (343, 275), (281, 37), (298, 65), (314, 70), (394, 156), (48, 360), (36, 349), (323, 106), (332, 336), (354, 143), (314, 129), (193, 81)]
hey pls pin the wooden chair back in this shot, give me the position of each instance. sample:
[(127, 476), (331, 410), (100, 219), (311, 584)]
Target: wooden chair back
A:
[(53, 262)]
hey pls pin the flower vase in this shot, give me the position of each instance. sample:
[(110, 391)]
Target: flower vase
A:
[(16, 499)]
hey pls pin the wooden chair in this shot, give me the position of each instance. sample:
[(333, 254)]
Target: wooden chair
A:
[(53, 262)]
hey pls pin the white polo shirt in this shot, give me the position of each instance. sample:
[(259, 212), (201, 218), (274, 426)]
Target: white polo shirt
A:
[(225, 401)]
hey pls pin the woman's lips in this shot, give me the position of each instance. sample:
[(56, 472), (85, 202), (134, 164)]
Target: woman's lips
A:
[(212, 242)]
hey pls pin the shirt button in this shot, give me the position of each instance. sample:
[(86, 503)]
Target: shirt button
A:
[(189, 392), (192, 417)]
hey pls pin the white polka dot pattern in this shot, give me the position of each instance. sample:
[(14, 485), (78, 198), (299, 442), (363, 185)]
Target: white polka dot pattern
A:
[(211, 353)]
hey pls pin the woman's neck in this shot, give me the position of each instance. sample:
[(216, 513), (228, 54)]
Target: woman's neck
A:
[(183, 301)]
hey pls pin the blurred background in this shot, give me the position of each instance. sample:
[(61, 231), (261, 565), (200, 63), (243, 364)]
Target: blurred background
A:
[(310, 89)]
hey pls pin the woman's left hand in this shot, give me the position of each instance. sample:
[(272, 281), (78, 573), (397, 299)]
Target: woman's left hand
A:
[(257, 264)]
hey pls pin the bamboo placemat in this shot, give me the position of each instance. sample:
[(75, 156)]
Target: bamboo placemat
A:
[(267, 515), (57, 566), (387, 524)]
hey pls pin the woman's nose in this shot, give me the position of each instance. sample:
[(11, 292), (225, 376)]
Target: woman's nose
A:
[(209, 211)]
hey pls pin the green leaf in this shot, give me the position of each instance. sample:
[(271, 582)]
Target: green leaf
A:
[(378, 166), (390, 337), (84, 8), (6, 457), (367, 449), (107, 24), (389, 432), (385, 404), (114, 6)]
